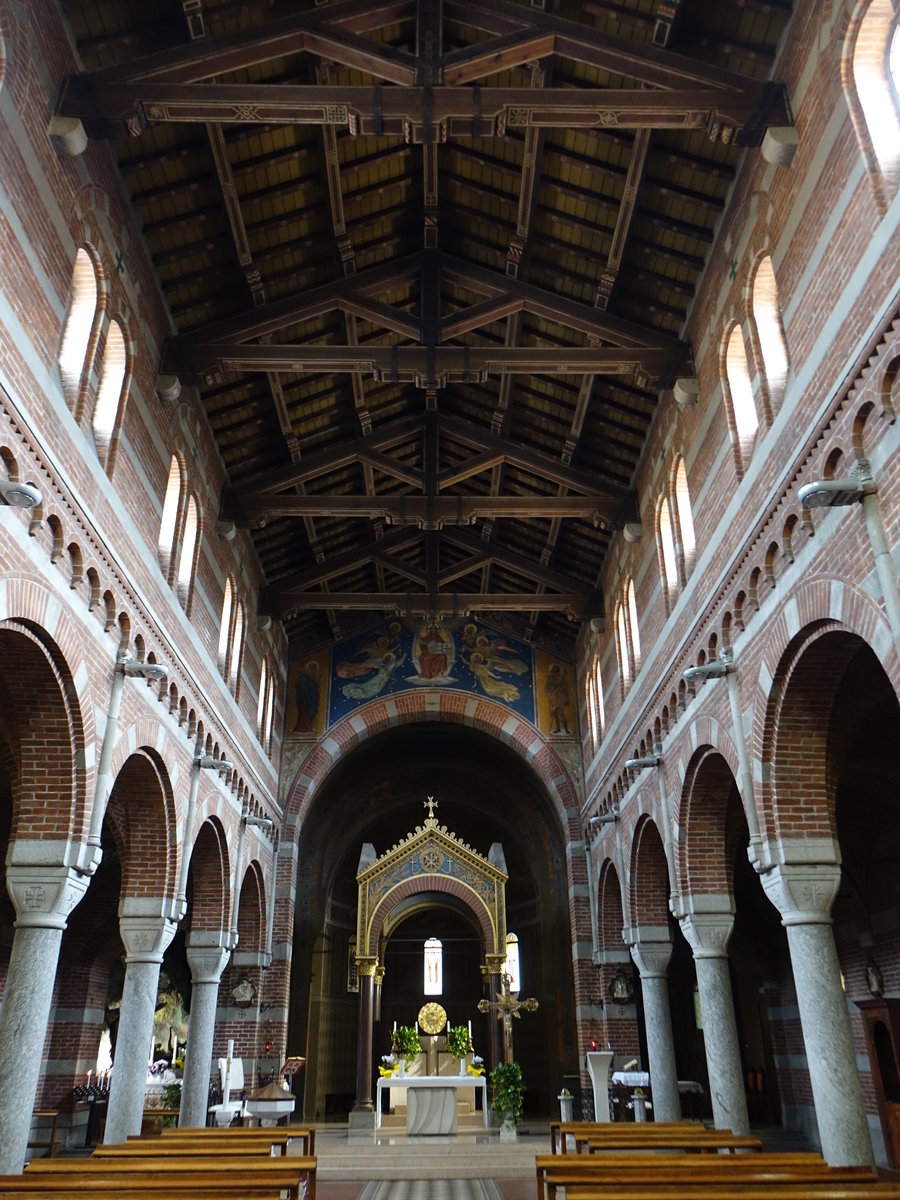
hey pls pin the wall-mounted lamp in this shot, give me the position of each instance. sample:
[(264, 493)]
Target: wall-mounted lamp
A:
[(213, 764), (260, 822), (638, 764), (831, 493), (608, 818), (135, 669), (710, 670), (19, 495)]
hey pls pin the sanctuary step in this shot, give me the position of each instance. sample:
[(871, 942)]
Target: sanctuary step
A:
[(461, 1157)]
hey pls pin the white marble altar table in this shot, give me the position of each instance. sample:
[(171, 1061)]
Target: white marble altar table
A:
[(416, 1083)]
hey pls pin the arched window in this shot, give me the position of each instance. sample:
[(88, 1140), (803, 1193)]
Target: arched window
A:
[(190, 538), (433, 983), (592, 712), (876, 73), (633, 630), (237, 647), (622, 645), (684, 517), (668, 563), (111, 394), (225, 631), (512, 965), (261, 703), (270, 711), (171, 506), (598, 692), (772, 343), (76, 338), (743, 406)]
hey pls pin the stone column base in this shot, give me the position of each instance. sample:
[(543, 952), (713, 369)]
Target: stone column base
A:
[(361, 1122)]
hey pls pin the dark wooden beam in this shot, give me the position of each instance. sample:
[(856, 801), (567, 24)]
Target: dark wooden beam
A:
[(110, 109), (527, 567), (576, 605), (426, 512), (350, 560), (418, 365)]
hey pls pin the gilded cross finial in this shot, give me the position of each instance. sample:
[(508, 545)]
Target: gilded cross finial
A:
[(431, 804)]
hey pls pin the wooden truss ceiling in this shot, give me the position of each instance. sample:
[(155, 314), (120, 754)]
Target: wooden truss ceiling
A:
[(428, 265)]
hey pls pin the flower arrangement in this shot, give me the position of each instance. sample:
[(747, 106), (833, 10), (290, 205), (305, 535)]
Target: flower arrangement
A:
[(458, 1041), (405, 1041), (507, 1090), (386, 1072)]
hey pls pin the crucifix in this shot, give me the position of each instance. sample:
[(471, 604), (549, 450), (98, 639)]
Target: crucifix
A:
[(431, 804), (507, 1006)]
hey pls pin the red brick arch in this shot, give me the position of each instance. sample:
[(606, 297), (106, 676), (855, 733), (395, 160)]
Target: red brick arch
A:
[(141, 816), (450, 707), (649, 883), (420, 885), (252, 909), (704, 853), (610, 915), (209, 885)]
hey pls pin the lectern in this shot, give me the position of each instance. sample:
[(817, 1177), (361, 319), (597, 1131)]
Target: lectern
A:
[(598, 1064)]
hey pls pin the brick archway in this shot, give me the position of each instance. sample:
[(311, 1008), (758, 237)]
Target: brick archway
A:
[(708, 811)]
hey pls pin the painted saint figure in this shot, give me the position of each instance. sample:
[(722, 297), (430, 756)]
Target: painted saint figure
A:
[(556, 689), (307, 696)]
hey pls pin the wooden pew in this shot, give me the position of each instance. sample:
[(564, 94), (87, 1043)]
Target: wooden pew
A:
[(688, 1138), (295, 1177), (276, 1135), (796, 1190), (65, 1189), (50, 1143), (618, 1172)]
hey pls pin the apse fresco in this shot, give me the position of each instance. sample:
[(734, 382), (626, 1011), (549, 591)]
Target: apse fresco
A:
[(402, 655)]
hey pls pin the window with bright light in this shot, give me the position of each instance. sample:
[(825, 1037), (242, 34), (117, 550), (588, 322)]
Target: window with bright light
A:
[(743, 406), (171, 505), (270, 713), (261, 703), (111, 393), (512, 966), (434, 967), (622, 645), (78, 325), (598, 693), (225, 630), (685, 517), (876, 78), (237, 647), (668, 563), (592, 713), (633, 630), (187, 558), (772, 343)]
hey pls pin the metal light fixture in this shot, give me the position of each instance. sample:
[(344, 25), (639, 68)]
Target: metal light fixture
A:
[(260, 822), (831, 493), (710, 670), (213, 764), (638, 764), (135, 669), (608, 818), (19, 495)]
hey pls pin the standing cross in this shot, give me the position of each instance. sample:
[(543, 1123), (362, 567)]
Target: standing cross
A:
[(431, 804), (507, 1006)]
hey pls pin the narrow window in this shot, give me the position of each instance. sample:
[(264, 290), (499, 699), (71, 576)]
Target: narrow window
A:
[(622, 645), (592, 712), (261, 703), (669, 570), (79, 323), (270, 708), (685, 517), (171, 503), (876, 61), (743, 406), (512, 966), (110, 395), (598, 691), (434, 968), (225, 630), (237, 646), (633, 626), (186, 560), (767, 315)]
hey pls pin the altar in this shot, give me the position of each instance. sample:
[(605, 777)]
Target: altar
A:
[(431, 1100)]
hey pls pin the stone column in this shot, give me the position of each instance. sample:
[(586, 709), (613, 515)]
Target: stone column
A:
[(707, 925), (651, 952), (145, 934), (803, 894), (365, 973), (207, 955), (43, 897)]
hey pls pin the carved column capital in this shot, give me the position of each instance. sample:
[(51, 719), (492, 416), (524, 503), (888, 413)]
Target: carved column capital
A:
[(803, 892), (651, 956), (706, 922), (43, 895), (145, 935), (365, 967), (207, 955)]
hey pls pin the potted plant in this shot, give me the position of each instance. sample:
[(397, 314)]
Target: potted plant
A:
[(458, 1045), (405, 1043), (507, 1093)]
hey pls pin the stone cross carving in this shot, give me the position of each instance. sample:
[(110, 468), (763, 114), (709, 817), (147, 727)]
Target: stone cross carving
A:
[(431, 804), (507, 1006)]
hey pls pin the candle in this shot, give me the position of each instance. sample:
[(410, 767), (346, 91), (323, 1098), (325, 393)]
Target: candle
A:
[(226, 1089), (470, 1029), (395, 1027), (448, 1029), (89, 1079)]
